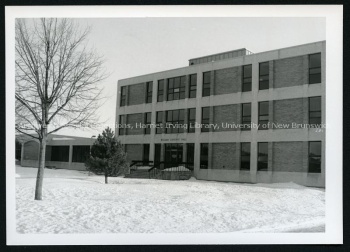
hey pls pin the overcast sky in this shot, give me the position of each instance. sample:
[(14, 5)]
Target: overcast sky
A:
[(137, 46)]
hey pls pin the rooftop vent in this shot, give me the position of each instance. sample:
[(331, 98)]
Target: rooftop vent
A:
[(220, 56)]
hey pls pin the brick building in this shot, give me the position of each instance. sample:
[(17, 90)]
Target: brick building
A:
[(267, 106)]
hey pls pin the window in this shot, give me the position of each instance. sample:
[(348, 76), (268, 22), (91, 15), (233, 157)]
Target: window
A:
[(315, 111), (314, 157), (122, 124), (246, 116), (147, 123), (157, 153), (122, 96), (245, 156), (205, 118), (264, 75), (193, 86), (263, 115), (204, 156), (160, 95), (247, 78), (80, 153), (175, 120), (60, 153), (191, 120), (263, 154), (315, 68), (190, 154), (149, 91), (145, 156), (176, 88), (206, 84), (159, 122)]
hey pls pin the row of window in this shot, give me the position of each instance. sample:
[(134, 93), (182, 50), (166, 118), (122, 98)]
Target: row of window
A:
[(174, 119), (314, 156), (61, 153), (176, 86)]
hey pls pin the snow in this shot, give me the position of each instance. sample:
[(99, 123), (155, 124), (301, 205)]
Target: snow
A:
[(179, 168), (74, 202)]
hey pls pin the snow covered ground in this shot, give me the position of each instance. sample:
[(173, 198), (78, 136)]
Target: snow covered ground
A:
[(74, 202)]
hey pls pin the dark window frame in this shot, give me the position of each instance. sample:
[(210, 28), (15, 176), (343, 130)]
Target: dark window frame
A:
[(190, 155), (80, 155), (204, 160), (316, 69), (260, 115), (175, 93), (243, 154), (192, 87), (264, 79), (319, 157), (149, 91), (57, 155), (176, 118), (159, 122), (315, 114), (246, 80), (263, 165), (204, 120), (147, 121), (191, 121), (246, 119), (157, 153), (145, 153), (122, 96), (206, 85), (160, 91)]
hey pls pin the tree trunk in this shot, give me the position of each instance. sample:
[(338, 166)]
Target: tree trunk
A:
[(40, 175), (106, 179)]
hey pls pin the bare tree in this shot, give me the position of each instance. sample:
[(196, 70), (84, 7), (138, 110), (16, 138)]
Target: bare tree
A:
[(57, 79)]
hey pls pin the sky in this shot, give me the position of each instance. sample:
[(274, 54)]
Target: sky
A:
[(138, 46)]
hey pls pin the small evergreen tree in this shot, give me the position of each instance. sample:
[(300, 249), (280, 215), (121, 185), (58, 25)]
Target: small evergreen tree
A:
[(107, 156)]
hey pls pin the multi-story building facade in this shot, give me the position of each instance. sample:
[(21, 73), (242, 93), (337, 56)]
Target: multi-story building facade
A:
[(230, 94)]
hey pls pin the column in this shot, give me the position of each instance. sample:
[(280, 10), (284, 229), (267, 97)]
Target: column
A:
[(70, 155), (165, 96), (271, 120), (184, 152), (187, 86)]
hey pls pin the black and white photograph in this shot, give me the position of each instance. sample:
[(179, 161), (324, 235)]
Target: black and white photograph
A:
[(174, 124)]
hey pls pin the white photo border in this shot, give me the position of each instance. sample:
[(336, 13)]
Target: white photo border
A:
[(334, 111)]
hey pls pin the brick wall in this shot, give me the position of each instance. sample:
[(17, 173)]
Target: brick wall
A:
[(225, 114), (31, 150), (228, 80), (288, 157), (224, 156), (289, 111), (132, 119), (137, 94), (134, 152), (290, 72)]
